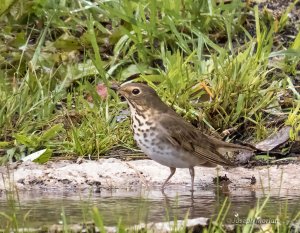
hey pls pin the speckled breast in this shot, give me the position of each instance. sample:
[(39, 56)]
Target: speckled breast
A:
[(155, 145)]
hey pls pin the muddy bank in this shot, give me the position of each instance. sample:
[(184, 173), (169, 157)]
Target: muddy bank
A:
[(114, 173)]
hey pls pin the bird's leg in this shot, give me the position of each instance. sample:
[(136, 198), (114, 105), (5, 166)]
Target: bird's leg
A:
[(192, 172), (173, 169)]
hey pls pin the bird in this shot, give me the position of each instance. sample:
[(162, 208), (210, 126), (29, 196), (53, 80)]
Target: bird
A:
[(167, 138)]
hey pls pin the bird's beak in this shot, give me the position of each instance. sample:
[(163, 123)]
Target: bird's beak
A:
[(114, 87), (122, 95)]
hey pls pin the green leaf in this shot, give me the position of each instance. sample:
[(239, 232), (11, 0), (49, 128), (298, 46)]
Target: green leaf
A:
[(93, 40), (134, 69), (5, 144), (67, 43), (28, 141), (51, 133), (98, 219), (240, 105), (5, 5), (287, 52), (296, 43)]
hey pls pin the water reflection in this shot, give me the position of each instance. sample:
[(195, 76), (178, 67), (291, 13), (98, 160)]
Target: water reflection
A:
[(136, 206)]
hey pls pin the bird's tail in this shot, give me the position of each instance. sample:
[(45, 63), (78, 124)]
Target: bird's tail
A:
[(230, 147)]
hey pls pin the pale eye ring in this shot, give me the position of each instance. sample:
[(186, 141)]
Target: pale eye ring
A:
[(135, 91)]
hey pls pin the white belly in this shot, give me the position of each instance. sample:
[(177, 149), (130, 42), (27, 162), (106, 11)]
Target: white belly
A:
[(171, 157), (152, 145)]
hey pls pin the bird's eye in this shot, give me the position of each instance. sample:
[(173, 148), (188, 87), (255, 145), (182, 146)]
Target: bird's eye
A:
[(135, 91)]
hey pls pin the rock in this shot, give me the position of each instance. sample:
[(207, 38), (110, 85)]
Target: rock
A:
[(275, 139)]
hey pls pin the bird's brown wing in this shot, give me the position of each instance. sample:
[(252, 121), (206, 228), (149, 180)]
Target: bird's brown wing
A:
[(184, 135)]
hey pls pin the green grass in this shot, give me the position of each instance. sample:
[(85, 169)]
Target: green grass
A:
[(53, 54)]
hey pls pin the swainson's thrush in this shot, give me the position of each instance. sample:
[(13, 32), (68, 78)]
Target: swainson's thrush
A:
[(167, 138)]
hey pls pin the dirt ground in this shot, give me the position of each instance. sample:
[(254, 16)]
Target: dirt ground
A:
[(117, 174)]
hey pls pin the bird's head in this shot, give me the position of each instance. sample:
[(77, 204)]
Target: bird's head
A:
[(141, 96)]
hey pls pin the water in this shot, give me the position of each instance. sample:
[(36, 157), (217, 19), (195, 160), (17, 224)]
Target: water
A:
[(135, 206)]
